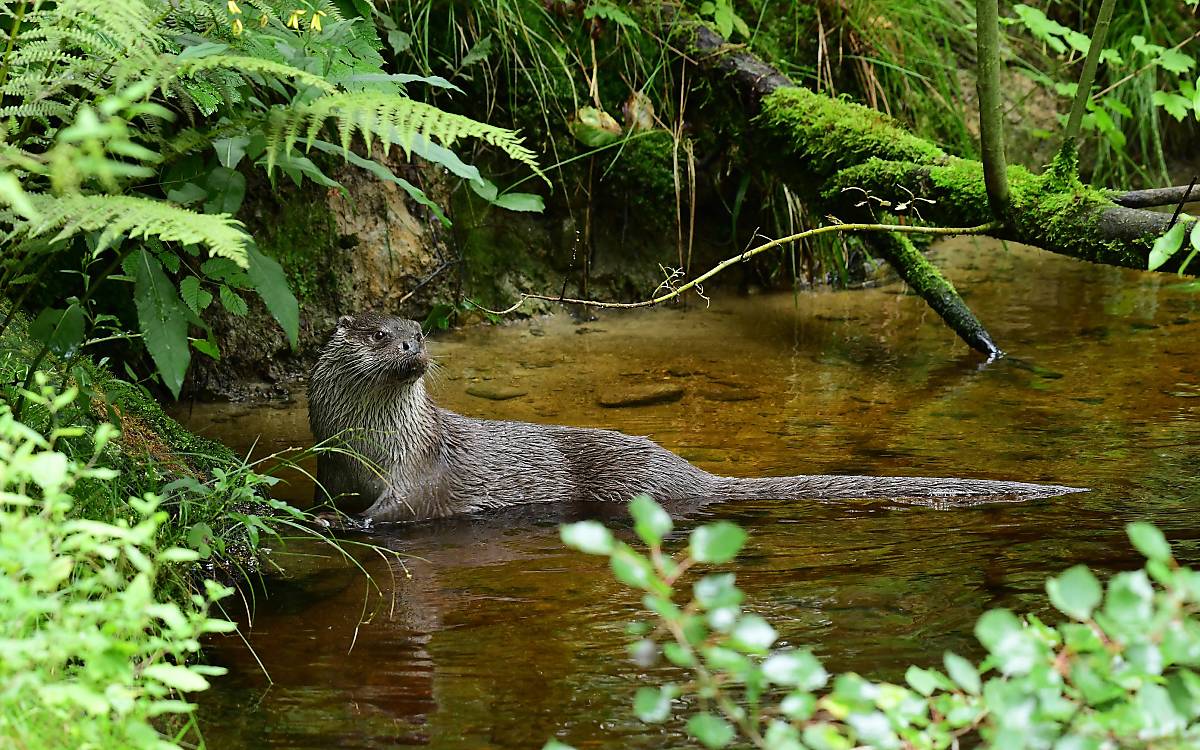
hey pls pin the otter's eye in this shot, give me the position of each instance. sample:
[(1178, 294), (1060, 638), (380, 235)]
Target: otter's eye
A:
[(379, 335)]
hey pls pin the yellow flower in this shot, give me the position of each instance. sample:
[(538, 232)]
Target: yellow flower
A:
[(233, 8), (262, 21), (294, 19), (237, 27), (315, 23)]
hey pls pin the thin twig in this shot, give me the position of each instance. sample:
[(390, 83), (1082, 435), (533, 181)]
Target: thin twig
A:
[(741, 258), (1087, 77), (1179, 207)]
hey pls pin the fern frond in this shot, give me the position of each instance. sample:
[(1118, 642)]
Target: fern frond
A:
[(391, 119), (246, 64), (37, 109), (119, 215)]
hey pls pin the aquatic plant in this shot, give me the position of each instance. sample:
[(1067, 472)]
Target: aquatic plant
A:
[(1118, 670)]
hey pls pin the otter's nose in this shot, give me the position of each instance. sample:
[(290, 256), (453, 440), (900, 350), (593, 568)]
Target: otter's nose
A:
[(411, 345)]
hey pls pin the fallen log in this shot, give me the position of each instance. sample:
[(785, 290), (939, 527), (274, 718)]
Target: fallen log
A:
[(846, 158)]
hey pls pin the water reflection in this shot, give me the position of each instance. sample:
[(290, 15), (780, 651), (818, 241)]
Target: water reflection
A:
[(490, 634)]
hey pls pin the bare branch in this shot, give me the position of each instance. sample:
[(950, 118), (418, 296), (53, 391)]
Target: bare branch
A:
[(676, 291)]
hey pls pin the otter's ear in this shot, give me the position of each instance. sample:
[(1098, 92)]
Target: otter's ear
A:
[(345, 321)]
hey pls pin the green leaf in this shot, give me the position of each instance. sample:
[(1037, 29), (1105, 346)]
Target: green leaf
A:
[(1076, 592), (610, 12), (711, 730), (924, 681), (162, 318), (962, 672), (1005, 638), (587, 536), (653, 705), (1167, 245), (633, 569), (1176, 61), (525, 202), (194, 296), (399, 41), (717, 590), (479, 52), (1130, 599), (271, 283), (174, 676), (430, 151), (14, 195), (207, 347), (1149, 541), (716, 542), (1176, 106), (61, 331), (231, 150), (799, 669), (226, 190), (594, 127), (752, 634), (723, 17), (650, 521), (232, 302)]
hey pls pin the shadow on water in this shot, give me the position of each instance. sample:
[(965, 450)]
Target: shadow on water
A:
[(490, 634)]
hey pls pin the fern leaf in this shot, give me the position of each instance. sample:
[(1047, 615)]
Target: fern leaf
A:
[(119, 215), (246, 64), (391, 119)]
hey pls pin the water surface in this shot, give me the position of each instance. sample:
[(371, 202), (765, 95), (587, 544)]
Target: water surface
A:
[(491, 634)]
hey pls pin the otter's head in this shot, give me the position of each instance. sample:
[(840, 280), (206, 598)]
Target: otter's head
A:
[(379, 348)]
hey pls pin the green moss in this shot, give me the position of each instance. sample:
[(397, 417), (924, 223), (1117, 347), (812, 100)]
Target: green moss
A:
[(644, 172), (297, 229), (503, 254), (830, 134)]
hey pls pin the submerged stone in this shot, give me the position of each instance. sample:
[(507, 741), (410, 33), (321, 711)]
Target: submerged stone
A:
[(728, 394), (645, 395), (493, 392)]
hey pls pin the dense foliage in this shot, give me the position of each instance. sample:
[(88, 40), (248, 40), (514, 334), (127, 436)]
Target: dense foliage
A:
[(128, 129), (90, 654), (1117, 671)]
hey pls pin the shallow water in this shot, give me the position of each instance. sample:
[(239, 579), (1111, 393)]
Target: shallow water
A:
[(491, 634)]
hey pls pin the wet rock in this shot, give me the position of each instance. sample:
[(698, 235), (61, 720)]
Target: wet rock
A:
[(494, 391), (644, 395)]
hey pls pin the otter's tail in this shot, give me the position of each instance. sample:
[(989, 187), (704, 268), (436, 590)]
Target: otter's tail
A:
[(939, 491)]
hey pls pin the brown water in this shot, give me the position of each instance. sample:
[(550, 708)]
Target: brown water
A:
[(494, 635)]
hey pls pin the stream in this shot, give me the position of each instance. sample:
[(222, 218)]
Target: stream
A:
[(487, 632)]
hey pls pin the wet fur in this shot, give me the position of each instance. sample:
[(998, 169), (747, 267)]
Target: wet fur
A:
[(368, 395)]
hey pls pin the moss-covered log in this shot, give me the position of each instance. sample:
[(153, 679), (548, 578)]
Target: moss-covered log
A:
[(831, 150)]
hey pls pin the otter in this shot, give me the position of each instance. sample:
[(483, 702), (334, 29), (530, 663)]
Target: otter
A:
[(399, 457)]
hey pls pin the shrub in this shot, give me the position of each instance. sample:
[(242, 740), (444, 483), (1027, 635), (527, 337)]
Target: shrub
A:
[(89, 656)]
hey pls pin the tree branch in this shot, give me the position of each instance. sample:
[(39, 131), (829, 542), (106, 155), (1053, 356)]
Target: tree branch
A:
[(1168, 196), (897, 230)]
